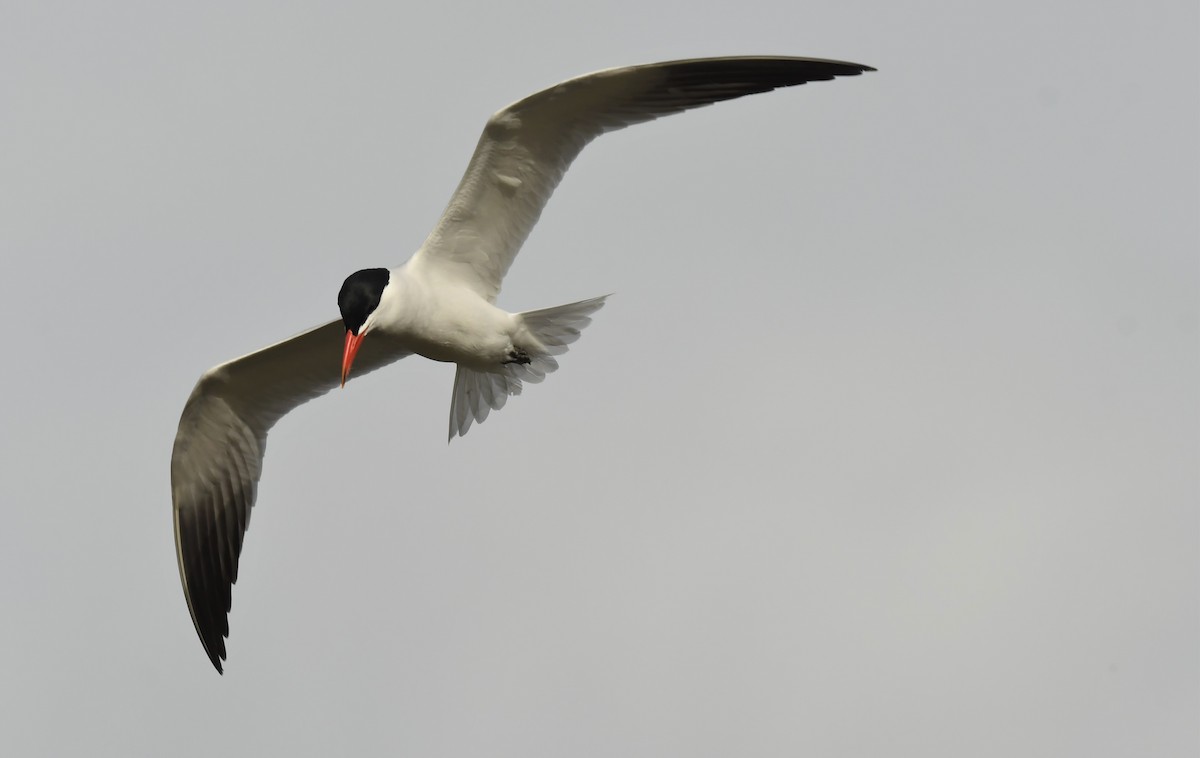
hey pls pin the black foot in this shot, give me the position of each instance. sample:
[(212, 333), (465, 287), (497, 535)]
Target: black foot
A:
[(517, 355)]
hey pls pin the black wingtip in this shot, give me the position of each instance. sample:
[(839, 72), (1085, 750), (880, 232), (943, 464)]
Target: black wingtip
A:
[(212, 638), (717, 79), (216, 662), (213, 643)]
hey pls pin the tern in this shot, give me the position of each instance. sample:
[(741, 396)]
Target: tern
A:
[(440, 304)]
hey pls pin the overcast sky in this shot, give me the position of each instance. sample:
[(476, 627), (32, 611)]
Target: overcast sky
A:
[(887, 444)]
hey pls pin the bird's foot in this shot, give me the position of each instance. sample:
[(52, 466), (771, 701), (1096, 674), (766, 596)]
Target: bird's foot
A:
[(517, 355)]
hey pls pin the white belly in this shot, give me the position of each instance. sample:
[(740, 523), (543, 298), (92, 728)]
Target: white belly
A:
[(454, 325)]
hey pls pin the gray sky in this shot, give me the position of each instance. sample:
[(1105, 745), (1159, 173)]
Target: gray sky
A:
[(887, 443)]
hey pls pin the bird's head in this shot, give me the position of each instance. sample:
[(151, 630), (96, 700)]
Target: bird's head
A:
[(358, 300)]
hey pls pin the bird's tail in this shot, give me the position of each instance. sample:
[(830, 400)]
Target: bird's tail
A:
[(478, 393)]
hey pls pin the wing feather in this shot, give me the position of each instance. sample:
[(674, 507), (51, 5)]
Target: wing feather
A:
[(527, 147), (218, 454), (520, 159)]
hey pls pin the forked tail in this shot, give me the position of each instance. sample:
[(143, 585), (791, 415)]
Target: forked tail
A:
[(478, 393)]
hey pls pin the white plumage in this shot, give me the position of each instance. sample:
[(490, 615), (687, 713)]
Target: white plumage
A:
[(439, 304)]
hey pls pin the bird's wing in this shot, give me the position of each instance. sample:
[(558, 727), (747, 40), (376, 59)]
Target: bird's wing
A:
[(218, 456), (526, 148)]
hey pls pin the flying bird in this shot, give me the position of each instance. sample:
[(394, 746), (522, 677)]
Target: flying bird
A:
[(440, 304)]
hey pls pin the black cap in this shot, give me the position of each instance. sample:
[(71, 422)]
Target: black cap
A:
[(360, 294)]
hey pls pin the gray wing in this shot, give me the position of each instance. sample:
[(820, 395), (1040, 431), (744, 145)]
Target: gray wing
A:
[(218, 456), (526, 148)]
